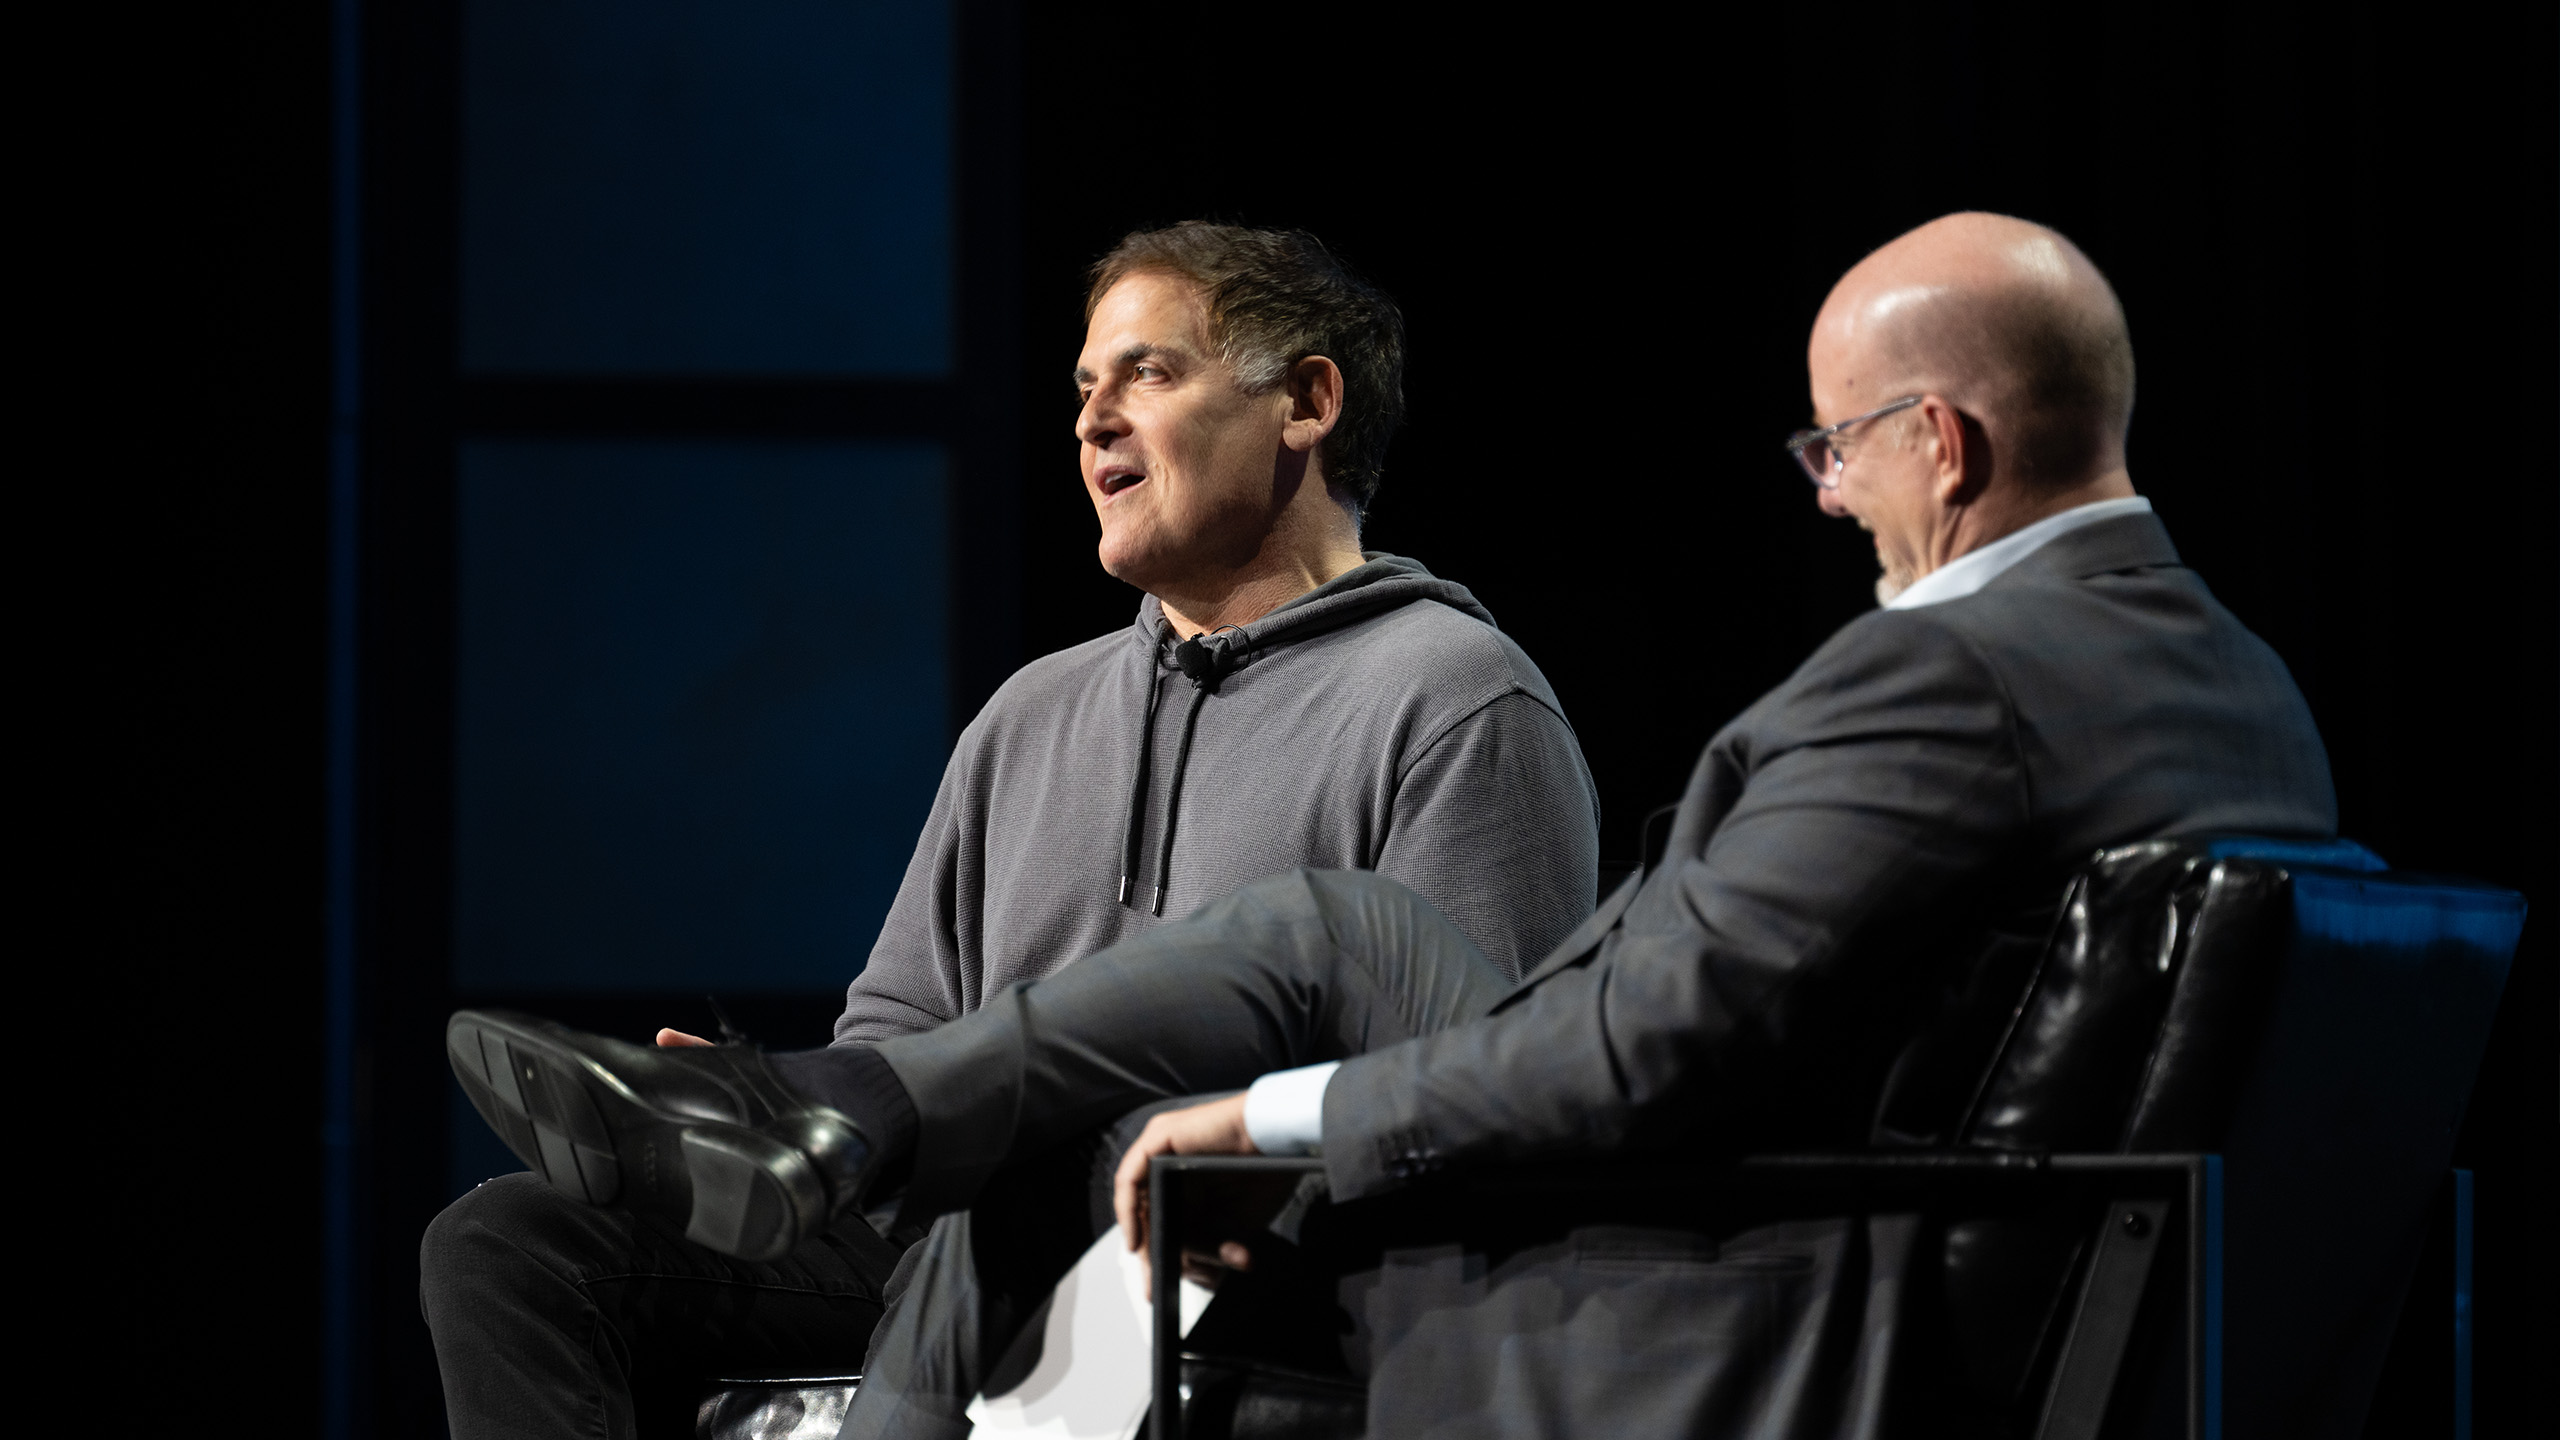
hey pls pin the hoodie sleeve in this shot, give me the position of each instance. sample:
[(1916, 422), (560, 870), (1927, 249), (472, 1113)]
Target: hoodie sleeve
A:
[(1496, 824), (924, 968)]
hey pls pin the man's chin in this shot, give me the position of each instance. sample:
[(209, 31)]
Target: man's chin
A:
[(1128, 562), (1889, 587)]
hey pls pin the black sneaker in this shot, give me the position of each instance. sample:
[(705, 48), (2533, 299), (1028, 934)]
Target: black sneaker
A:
[(705, 1136)]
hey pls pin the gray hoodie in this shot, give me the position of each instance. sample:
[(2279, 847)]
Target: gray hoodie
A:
[(1379, 722)]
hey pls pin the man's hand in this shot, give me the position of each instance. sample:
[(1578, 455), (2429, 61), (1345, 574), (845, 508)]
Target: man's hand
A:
[(1216, 1128), (677, 1039)]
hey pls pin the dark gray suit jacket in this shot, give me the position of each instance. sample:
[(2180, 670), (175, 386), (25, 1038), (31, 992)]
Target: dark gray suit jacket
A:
[(1844, 851)]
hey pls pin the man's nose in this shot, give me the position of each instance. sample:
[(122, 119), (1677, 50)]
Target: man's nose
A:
[(1099, 422), (1829, 500)]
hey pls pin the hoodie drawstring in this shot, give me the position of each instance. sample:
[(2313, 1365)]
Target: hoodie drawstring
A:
[(1173, 793), (1204, 665), (1138, 787)]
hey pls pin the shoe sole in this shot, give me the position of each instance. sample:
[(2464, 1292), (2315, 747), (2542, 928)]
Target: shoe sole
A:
[(591, 1137)]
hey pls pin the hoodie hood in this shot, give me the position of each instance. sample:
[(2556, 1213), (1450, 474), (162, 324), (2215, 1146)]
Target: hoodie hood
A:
[(1381, 582)]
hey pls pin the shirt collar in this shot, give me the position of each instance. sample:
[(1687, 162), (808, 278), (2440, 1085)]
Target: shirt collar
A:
[(1976, 568)]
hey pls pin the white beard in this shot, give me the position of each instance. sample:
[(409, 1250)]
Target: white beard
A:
[(1889, 585)]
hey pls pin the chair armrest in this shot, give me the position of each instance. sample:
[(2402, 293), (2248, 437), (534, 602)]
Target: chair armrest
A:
[(1174, 1186)]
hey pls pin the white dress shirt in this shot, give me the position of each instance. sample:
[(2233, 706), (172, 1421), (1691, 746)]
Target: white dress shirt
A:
[(1284, 1110)]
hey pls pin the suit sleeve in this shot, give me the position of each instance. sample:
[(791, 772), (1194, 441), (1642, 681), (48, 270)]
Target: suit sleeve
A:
[(1496, 824), (924, 969), (1881, 780)]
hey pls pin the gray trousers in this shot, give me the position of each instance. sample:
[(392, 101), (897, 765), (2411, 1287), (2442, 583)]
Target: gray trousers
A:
[(1027, 1104)]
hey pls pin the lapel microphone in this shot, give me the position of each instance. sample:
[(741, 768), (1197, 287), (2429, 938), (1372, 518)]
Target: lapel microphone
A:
[(1204, 665)]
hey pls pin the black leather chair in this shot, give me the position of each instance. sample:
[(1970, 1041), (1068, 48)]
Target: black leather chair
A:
[(2175, 1164)]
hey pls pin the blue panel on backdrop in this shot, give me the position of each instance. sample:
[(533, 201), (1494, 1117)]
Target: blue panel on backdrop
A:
[(700, 713), (678, 187)]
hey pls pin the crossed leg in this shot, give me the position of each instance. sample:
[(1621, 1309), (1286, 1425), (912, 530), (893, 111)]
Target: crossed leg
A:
[(1024, 1106)]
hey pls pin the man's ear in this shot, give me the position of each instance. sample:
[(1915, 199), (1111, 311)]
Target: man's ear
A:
[(1314, 387), (1963, 452)]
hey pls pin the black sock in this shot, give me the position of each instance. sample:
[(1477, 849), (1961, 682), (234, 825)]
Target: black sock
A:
[(855, 1080)]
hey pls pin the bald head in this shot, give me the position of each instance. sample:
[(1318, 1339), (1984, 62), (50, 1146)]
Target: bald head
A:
[(2008, 321)]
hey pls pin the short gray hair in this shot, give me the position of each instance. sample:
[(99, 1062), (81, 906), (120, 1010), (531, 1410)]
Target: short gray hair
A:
[(1276, 297)]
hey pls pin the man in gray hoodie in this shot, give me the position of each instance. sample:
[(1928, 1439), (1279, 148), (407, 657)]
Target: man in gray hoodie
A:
[(1284, 700)]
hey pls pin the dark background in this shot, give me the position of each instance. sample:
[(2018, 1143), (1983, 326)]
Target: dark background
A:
[(2334, 229)]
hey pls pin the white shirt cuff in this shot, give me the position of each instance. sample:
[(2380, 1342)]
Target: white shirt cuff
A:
[(1284, 1111)]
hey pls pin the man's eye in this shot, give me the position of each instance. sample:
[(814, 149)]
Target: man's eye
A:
[(1143, 371)]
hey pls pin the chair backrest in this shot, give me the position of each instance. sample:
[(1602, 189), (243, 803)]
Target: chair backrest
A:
[(2143, 995), (2142, 1010), (2313, 1017)]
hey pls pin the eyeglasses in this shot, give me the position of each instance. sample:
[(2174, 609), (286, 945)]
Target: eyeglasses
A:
[(1820, 457)]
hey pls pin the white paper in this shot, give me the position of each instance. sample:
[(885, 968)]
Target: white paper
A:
[(1096, 1350)]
